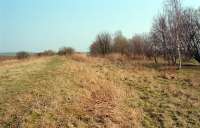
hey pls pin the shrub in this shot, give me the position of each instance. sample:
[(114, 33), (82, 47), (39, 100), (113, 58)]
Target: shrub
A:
[(46, 53), (49, 53), (22, 55), (66, 51), (120, 44)]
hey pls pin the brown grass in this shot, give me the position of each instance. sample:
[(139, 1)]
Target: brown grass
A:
[(4, 58), (102, 99), (81, 57), (82, 92)]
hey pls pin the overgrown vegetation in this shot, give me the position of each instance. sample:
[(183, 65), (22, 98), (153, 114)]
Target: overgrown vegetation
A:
[(46, 53), (130, 83), (66, 51), (22, 55), (175, 36), (84, 92), (176, 32), (102, 44)]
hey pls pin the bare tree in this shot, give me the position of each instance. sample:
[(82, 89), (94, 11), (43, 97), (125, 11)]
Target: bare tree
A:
[(175, 35), (120, 43), (190, 35), (167, 30), (102, 44), (155, 45), (136, 46), (160, 38), (148, 46), (173, 11), (196, 38), (95, 49)]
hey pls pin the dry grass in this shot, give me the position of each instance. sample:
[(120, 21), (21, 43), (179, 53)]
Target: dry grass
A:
[(81, 57), (82, 92), (4, 58), (116, 57)]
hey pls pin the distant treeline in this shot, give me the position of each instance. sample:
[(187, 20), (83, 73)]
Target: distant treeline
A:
[(64, 51), (175, 36)]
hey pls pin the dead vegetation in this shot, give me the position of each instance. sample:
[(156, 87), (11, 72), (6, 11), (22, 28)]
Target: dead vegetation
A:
[(80, 91), (3, 58)]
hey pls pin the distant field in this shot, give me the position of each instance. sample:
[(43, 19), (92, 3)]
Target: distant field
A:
[(83, 92)]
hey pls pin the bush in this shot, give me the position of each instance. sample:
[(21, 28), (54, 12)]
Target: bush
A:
[(22, 55), (46, 53), (49, 53), (120, 44), (66, 51)]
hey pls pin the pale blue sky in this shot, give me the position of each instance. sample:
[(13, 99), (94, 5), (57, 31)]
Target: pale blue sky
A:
[(36, 25)]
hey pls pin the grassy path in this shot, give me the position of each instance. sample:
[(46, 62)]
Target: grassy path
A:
[(90, 93), (25, 87), (60, 92)]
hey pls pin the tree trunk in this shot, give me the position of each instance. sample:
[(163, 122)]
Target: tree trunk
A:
[(179, 53), (179, 58)]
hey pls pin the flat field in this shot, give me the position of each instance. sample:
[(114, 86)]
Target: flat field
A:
[(86, 92)]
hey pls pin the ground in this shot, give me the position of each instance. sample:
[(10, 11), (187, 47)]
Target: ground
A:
[(87, 92)]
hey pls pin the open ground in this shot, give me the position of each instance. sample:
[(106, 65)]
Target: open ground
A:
[(81, 91)]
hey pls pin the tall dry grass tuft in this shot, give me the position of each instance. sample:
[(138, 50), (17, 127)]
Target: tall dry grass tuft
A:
[(117, 57), (81, 57)]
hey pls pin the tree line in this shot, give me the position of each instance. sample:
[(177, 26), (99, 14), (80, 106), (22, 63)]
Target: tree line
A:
[(63, 51), (136, 47), (174, 36)]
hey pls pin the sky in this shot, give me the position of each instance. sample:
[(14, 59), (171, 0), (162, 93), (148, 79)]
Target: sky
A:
[(37, 25)]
